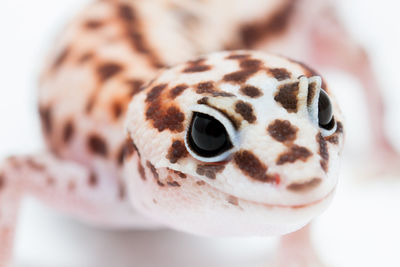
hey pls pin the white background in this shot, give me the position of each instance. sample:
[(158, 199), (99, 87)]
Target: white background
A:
[(361, 228)]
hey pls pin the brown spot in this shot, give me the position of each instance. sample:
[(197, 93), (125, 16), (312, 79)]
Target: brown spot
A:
[(153, 170), (203, 101), (46, 118), (97, 145), (209, 88), (127, 149), (155, 92), (177, 90), (71, 186), (86, 57), (68, 131), (93, 24), (245, 110), (339, 127), (323, 152), (240, 76), (117, 109), (282, 131), (287, 96), (250, 165), (108, 70), (233, 200), (280, 73), (135, 86), (253, 64), (295, 153), (50, 181), (61, 58), (238, 56), (197, 68), (35, 165), (93, 180), (135, 37), (304, 186), (181, 174), (177, 151), (200, 183), (2, 181), (272, 25), (141, 170), (171, 119), (333, 139), (210, 171), (173, 183), (251, 91), (121, 192), (312, 90)]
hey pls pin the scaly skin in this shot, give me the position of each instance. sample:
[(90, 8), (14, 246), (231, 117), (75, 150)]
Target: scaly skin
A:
[(280, 174)]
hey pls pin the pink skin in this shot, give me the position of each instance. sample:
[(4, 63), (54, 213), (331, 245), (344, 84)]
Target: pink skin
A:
[(68, 185)]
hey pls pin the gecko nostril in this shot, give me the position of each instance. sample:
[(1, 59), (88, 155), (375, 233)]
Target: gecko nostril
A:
[(304, 186)]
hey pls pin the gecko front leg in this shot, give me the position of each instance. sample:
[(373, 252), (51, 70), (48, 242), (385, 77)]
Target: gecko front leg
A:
[(65, 185)]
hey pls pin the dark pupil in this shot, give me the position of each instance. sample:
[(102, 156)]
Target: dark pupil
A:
[(325, 113), (207, 136)]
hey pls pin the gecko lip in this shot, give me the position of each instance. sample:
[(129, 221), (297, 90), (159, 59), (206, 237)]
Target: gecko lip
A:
[(267, 205)]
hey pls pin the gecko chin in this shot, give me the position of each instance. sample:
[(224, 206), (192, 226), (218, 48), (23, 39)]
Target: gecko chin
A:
[(193, 206)]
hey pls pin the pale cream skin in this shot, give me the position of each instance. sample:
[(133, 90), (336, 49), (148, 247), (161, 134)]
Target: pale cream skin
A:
[(111, 55)]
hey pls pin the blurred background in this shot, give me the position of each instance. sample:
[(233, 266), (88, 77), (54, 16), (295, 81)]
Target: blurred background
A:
[(361, 228)]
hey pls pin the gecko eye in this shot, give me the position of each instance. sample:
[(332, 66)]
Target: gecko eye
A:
[(325, 112), (207, 137)]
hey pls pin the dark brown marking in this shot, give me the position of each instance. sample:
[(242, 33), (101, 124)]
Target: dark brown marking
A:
[(126, 13), (35, 165), (253, 64), (197, 68), (117, 109), (233, 200), (46, 118), (251, 91), (271, 26), (238, 56), (312, 90), (333, 139), (205, 87), (153, 170), (200, 183), (295, 153), (93, 180), (282, 131), (339, 127), (171, 119), (141, 170), (250, 165), (155, 92), (203, 101), (173, 183), (181, 174), (287, 96), (210, 171), (127, 149), (108, 70), (280, 73), (177, 151), (323, 152), (93, 24), (245, 110), (2, 181), (135, 86), (122, 191), (71, 186), (68, 131), (86, 57), (177, 90), (97, 145), (61, 58), (240, 76), (304, 186)]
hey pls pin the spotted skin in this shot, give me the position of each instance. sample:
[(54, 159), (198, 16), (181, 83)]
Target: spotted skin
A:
[(111, 70)]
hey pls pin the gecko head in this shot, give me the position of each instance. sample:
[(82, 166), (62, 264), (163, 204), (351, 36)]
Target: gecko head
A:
[(234, 143)]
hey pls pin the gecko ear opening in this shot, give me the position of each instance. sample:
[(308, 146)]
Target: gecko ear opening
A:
[(320, 107)]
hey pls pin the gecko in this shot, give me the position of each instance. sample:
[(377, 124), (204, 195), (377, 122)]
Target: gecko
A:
[(129, 89)]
